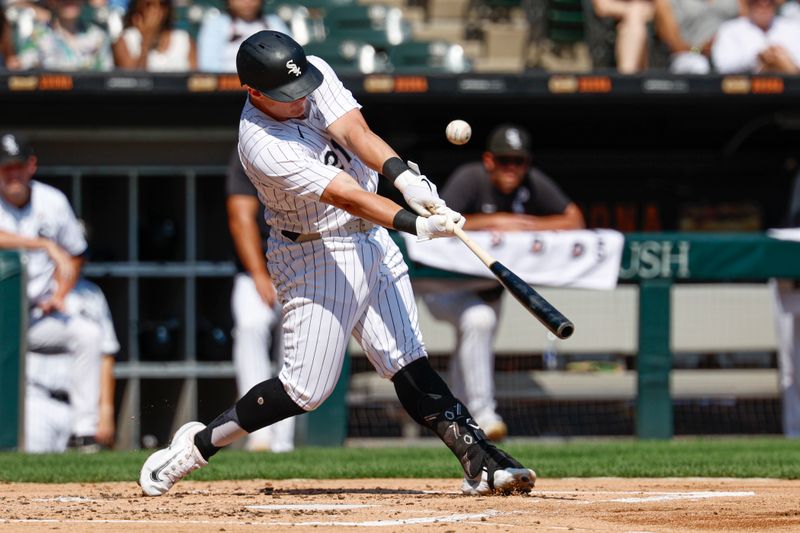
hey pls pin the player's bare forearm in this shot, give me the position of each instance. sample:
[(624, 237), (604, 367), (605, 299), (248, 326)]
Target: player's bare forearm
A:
[(345, 193), (10, 240), (352, 132), (667, 27), (242, 213), (570, 219), (66, 278)]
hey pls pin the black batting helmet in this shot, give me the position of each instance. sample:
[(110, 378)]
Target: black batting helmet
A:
[(274, 64)]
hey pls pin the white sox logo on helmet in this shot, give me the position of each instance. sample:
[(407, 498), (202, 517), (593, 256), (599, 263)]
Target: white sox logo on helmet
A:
[(293, 69)]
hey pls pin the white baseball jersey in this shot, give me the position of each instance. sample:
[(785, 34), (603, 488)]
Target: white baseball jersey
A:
[(87, 300), (49, 215), (292, 162), (343, 283)]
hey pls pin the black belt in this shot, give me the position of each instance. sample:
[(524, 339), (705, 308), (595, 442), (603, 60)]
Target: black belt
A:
[(59, 395), (354, 226)]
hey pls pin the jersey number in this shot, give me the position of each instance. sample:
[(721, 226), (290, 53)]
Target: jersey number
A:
[(332, 157)]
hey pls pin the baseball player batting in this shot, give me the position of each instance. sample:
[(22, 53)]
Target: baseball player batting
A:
[(306, 147)]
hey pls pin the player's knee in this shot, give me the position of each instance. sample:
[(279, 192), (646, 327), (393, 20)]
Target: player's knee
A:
[(479, 318), (312, 401)]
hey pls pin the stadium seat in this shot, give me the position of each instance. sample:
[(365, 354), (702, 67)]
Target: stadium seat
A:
[(493, 10), (348, 55), (565, 21), (321, 5), (305, 26), (428, 57), (377, 25)]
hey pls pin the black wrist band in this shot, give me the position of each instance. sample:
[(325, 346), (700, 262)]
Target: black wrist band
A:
[(393, 167), (405, 221)]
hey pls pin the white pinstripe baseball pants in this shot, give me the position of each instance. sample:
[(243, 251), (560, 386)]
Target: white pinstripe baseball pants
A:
[(333, 287), (81, 337)]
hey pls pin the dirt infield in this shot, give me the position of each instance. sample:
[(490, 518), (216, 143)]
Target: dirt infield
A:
[(598, 504)]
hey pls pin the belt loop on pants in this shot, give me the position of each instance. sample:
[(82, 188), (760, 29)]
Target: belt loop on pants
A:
[(354, 226)]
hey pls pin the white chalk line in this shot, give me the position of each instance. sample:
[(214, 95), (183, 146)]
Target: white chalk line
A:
[(64, 499), (646, 497), (446, 519), (474, 518), (700, 495)]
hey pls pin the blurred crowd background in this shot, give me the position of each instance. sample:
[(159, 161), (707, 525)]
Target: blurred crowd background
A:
[(374, 36)]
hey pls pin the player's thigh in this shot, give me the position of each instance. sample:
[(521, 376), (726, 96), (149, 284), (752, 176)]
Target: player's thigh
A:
[(324, 289), (388, 331), (49, 333), (249, 310), (47, 422)]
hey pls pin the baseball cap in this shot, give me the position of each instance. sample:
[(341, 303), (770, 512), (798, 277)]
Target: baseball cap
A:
[(14, 148), (508, 139)]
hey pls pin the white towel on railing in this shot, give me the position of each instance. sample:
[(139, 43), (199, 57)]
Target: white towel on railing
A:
[(586, 259)]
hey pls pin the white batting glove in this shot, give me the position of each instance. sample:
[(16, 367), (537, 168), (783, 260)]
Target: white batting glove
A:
[(439, 225), (419, 192)]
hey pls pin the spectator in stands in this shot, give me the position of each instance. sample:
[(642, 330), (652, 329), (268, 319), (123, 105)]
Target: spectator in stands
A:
[(8, 55), (632, 17), (688, 27), (66, 42), (38, 219), (501, 193), (758, 42), (787, 328), (150, 42), (222, 33)]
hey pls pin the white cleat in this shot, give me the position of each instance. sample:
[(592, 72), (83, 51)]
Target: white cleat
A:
[(166, 467), (505, 481)]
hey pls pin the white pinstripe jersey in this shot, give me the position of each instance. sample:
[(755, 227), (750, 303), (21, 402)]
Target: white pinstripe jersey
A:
[(49, 215), (292, 162), (87, 299)]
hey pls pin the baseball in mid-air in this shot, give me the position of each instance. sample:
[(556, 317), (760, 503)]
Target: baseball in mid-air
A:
[(458, 132)]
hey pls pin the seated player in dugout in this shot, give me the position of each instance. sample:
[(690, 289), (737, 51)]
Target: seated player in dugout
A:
[(503, 192), (38, 219), (306, 147)]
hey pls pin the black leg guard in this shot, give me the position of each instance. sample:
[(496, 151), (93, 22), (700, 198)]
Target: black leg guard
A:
[(428, 400), (263, 405)]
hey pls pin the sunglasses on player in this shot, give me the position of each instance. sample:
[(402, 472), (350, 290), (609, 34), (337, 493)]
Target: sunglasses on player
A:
[(516, 160)]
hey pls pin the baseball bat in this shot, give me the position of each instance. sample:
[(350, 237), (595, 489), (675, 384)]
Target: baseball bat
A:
[(531, 300)]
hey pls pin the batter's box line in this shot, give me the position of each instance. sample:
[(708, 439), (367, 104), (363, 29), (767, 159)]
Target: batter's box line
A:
[(447, 519), (646, 497)]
